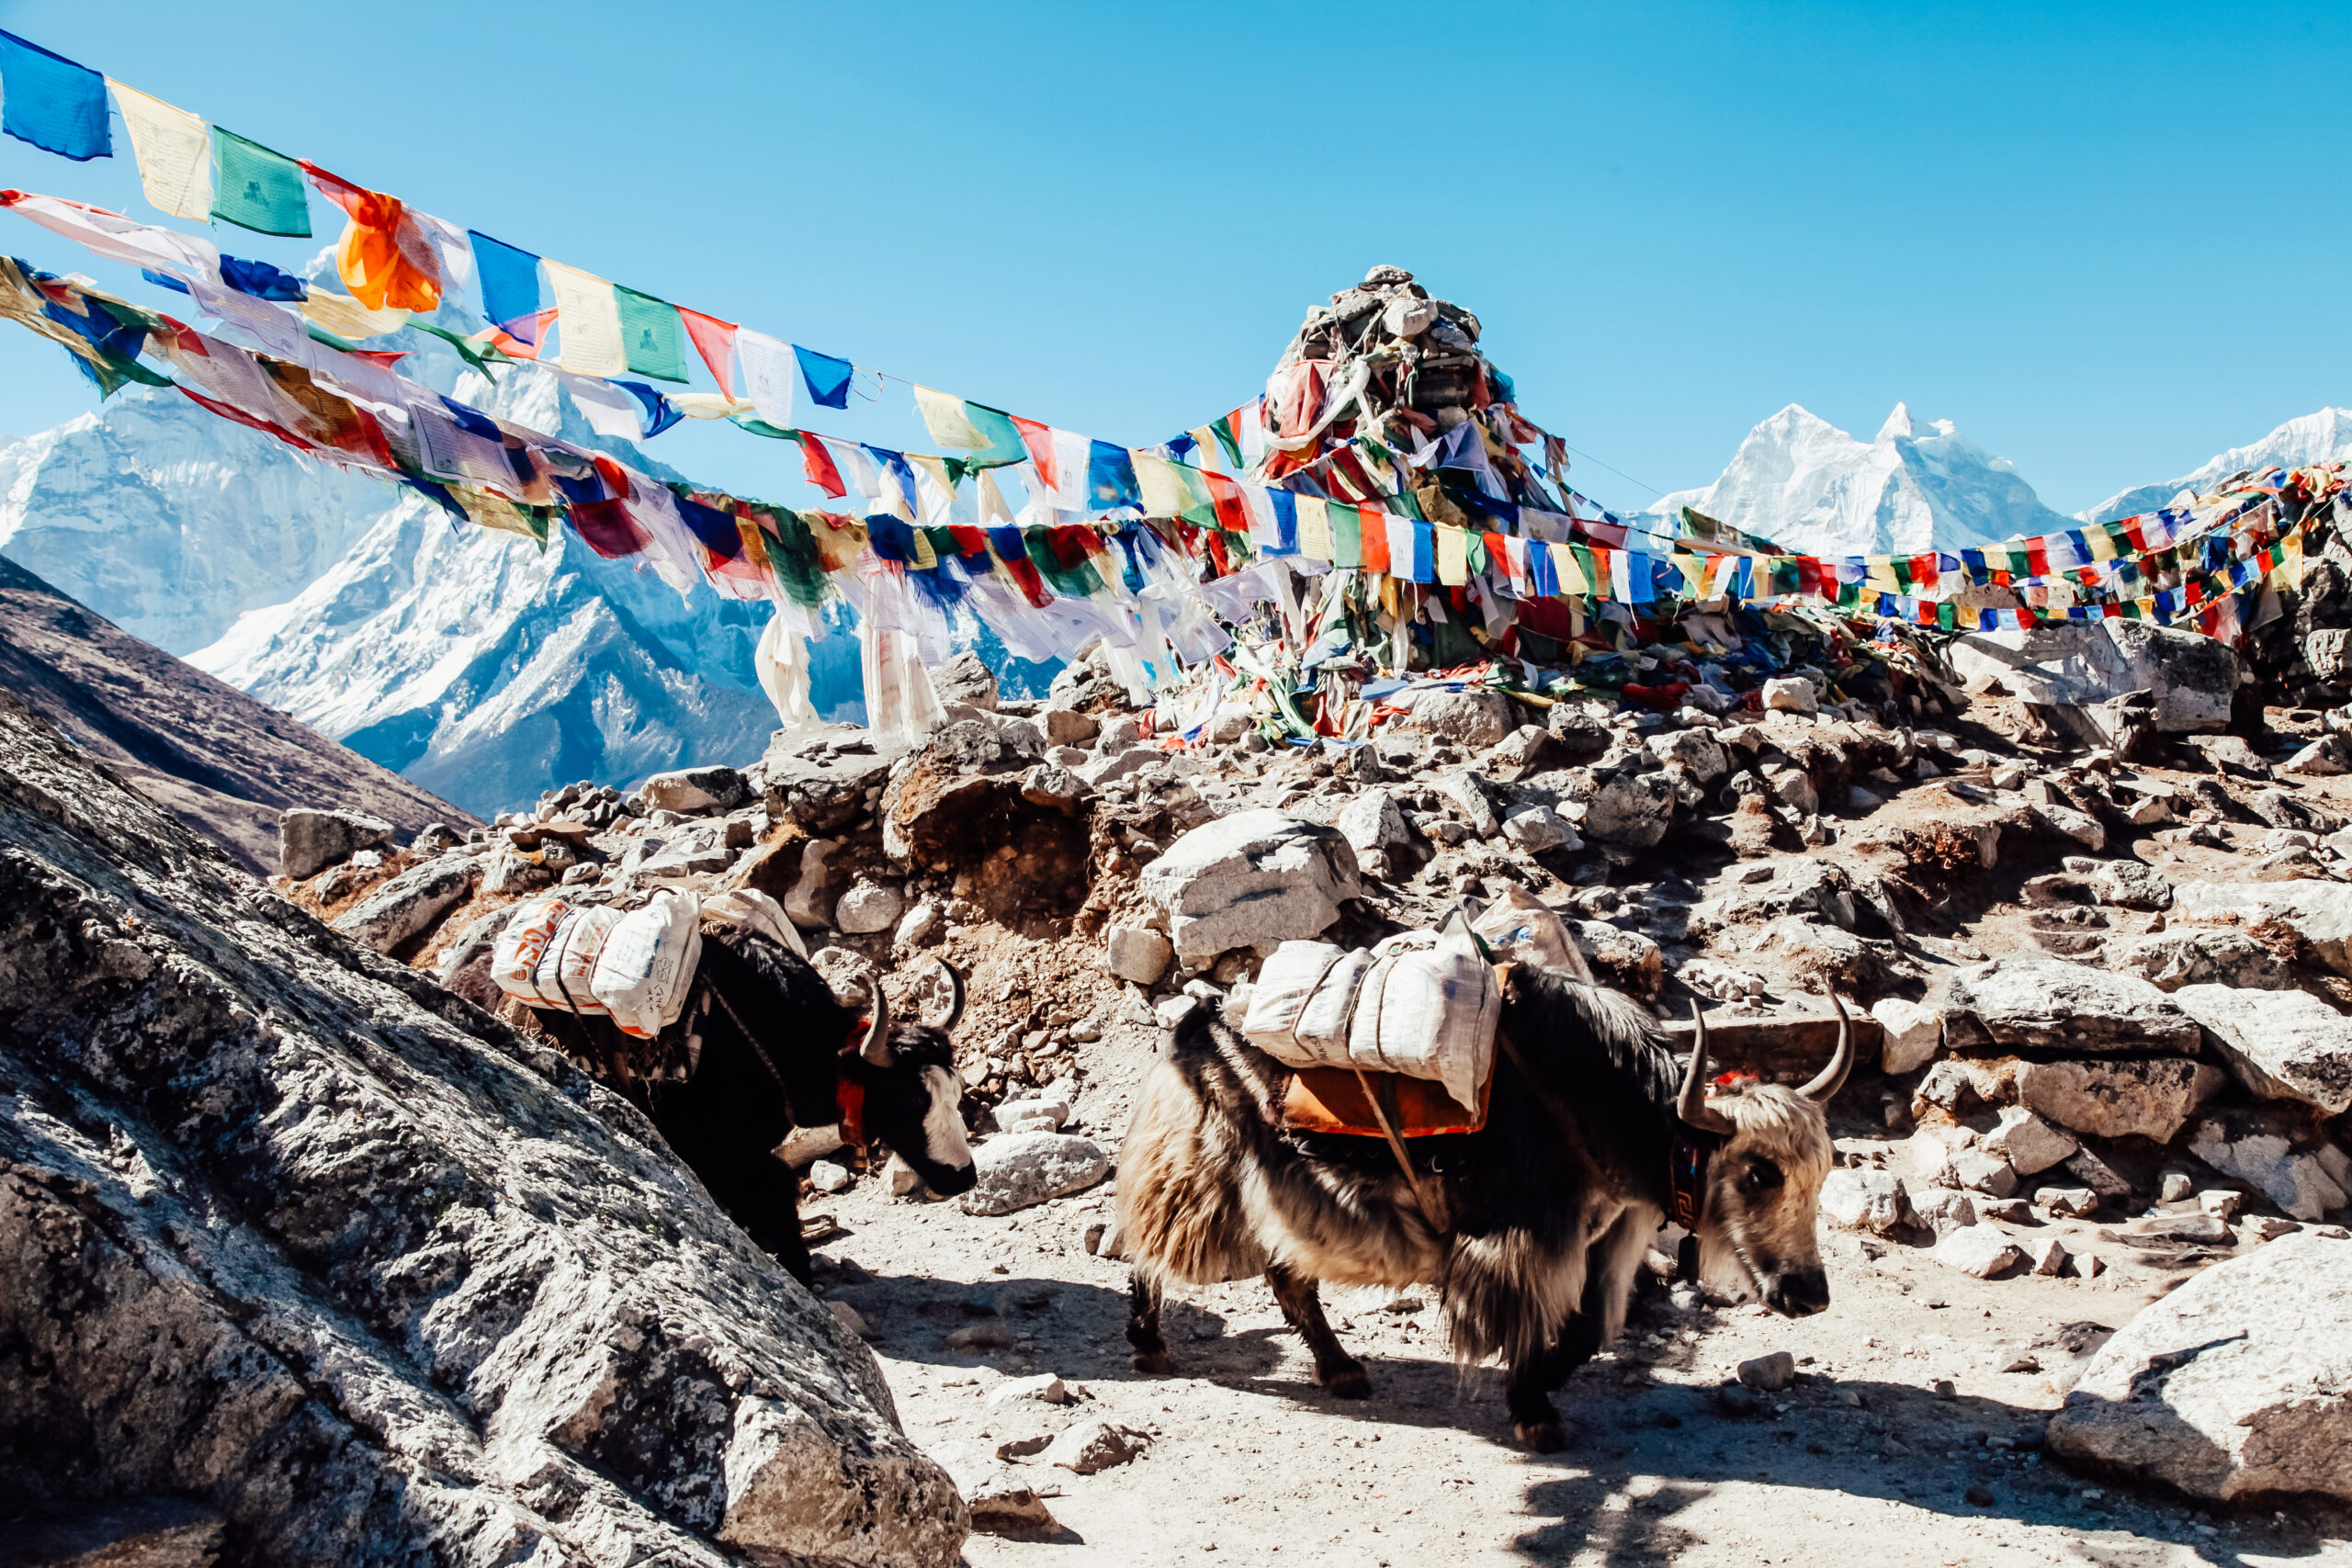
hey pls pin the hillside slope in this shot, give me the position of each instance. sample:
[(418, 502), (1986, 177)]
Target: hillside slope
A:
[(216, 758)]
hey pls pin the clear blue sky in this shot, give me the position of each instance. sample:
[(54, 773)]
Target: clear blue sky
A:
[(2108, 240)]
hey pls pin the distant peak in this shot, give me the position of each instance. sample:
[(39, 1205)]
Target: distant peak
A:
[(1898, 424)]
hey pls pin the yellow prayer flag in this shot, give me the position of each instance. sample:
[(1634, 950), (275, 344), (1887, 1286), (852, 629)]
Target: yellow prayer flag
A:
[(347, 317), (175, 152), (949, 426), (1452, 556), (1570, 572), (1314, 528), (590, 319), (1162, 486)]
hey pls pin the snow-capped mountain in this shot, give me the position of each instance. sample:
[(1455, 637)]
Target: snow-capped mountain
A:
[(486, 668), (1809, 487), (2316, 437), (172, 521)]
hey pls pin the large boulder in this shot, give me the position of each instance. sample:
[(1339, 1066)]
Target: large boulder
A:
[(409, 904), (288, 1230), (1635, 809), (971, 800), (1473, 719), (311, 841), (691, 791), (2275, 1152), (2147, 1097), (2235, 1385), (2318, 914), (2281, 1044), (2082, 664), (2049, 1004), (965, 679), (2192, 955), (1020, 1170), (1255, 879)]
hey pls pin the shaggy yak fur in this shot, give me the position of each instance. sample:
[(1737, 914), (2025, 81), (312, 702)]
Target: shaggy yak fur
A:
[(1541, 1228), (726, 1117)]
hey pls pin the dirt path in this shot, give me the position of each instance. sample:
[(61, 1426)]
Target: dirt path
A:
[(1250, 1464)]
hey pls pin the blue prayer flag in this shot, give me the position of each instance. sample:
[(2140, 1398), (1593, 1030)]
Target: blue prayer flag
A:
[(1424, 563), (1285, 506), (1110, 477), (828, 378), (509, 286), (48, 100), (262, 280), (659, 414)]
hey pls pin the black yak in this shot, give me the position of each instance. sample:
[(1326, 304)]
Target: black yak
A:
[(1543, 1215)]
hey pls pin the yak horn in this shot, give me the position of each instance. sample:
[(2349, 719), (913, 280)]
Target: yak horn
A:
[(955, 984), (876, 1048), (1692, 1107), (1825, 1088)]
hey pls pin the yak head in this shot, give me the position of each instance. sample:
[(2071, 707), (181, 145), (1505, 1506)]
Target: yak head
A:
[(1756, 1223), (911, 1092)]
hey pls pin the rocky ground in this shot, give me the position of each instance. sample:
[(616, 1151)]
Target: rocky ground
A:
[(2106, 1053)]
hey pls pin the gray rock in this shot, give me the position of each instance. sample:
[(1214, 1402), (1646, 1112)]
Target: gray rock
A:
[(1791, 786), (2281, 1044), (2190, 955), (1469, 795), (804, 1144), (2031, 1144), (1790, 693), (2127, 884), (1536, 829), (2222, 1389), (1770, 1374), (1043, 1388), (2067, 822), (1137, 954), (2268, 1149), (869, 906), (311, 841), (1912, 1034), (2050, 1259), (1255, 879), (1695, 752), (2075, 1202), (1372, 820), (2148, 1097), (965, 679), (2099, 1175), (1045, 1114), (2319, 913), (1633, 809), (377, 1278), (2322, 758), (1872, 1201), (1051, 784), (2048, 1004), (1944, 1209), (1062, 727), (693, 791), (1979, 1251), (809, 904), (1094, 1446), (1982, 1172), (408, 905), (920, 926), (1019, 1170), (827, 1177), (1473, 719), (2083, 664)]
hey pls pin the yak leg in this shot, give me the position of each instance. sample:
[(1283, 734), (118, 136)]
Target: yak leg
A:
[(1599, 1314), (1534, 1424), (1143, 1325), (1334, 1368), (761, 1193)]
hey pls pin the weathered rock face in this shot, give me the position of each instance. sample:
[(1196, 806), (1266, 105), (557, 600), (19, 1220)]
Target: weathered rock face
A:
[(960, 802), (2194, 955), (410, 902), (2281, 1044), (308, 841), (2319, 913), (1018, 1170), (1255, 879), (430, 1294), (966, 679), (2050, 1004), (2148, 1098), (1475, 719), (2270, 1148), (2238, 1382), (2082, 663), (691, 790)]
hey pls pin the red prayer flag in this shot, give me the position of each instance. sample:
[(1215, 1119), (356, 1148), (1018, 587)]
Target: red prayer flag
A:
[(1039, 439), (1232, 511), (817, 464), (714, 340), (2037, 557)]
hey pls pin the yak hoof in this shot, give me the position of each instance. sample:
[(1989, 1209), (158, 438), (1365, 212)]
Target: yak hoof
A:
[(1540, 1437), (1153, 1361), (1349, 1383)]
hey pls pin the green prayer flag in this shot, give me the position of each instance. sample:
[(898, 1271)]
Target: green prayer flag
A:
[(652, 335), (1347, 536), (793, 557), (1226, 442), (1948, 616), (1077, 582), (256, 188)]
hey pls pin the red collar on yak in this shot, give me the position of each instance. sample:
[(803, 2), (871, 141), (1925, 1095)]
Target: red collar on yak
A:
[(848, 1093)]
